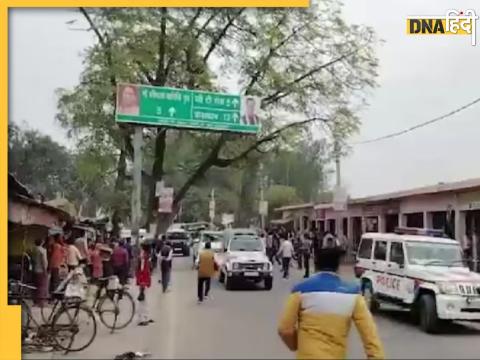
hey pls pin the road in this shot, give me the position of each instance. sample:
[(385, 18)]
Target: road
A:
[(242, 324)]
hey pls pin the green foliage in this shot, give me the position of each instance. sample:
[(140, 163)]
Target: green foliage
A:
[(302, 167), (40, 163), (281, 195), (304, 63), (48, 168)]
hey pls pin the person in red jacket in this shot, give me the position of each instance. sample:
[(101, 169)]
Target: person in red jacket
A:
[(144, 280)]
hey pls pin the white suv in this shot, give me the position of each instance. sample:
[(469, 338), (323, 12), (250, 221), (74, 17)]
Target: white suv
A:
[(425, 274), (245, 259)]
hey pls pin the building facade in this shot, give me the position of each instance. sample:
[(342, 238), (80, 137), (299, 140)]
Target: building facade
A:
[(453, 207)]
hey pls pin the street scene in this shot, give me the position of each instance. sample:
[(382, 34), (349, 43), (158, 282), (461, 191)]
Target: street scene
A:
[(200, 183)]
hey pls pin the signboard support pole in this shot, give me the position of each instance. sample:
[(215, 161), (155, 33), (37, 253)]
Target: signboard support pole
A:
[(262, 215), (211, 208), (338, 219), (137, 184)]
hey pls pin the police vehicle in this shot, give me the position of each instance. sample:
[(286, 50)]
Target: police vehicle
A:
[(419, 270), (244, 259)]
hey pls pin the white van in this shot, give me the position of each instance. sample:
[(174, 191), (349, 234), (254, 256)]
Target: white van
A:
[(421, 271)]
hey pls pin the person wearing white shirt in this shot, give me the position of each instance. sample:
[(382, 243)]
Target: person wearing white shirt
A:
[(286, 252), (73, 257)]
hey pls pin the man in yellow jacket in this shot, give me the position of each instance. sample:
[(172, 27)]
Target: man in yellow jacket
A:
[(319, 311), (206, 269)]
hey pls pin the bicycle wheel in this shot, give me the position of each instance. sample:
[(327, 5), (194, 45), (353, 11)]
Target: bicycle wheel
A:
[(116, 310), (74, 327)]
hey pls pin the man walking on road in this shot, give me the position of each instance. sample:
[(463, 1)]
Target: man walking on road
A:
[(206, 269), (306, 248), (319, 311), (120, 262), (286, 252), (166, 256), (269, 246)]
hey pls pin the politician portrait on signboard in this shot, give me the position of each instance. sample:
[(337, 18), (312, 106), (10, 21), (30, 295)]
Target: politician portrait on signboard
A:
[(249, 110), (128, 100)]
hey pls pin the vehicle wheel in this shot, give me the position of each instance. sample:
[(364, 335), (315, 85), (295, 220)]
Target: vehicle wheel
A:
[(186, 252), (116, 311), (429, 321), (367, 292), (228, 282), (221, 276), (74, 327), (268, 282)]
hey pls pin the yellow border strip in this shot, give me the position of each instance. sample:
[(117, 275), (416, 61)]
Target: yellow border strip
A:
[(165, 3), (10, 347), (10, 337)]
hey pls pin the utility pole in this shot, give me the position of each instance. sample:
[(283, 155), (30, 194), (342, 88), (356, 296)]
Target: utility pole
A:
[(262, 216), (338, 183), (336, 149), (137, 184), (211, 208)]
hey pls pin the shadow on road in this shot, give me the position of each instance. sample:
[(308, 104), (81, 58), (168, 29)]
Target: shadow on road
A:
[(447, 328)]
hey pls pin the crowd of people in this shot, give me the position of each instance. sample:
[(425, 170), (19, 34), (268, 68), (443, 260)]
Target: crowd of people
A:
[(284, 246), (299, 327), (52, 258)]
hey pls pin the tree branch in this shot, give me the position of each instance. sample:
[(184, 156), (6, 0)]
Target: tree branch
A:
[(216, 40), (280, 94), (185, 32), (201, 170), (206, 23), (267, 138), (93, 27), (271, 52), (160, 77)]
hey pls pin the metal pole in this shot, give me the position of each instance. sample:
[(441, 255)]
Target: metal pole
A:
[(262, 216), (211, 208), (338, 219), (137, 183), (336, 148)]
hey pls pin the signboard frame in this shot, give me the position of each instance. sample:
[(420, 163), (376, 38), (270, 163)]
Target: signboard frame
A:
[(180, 108)]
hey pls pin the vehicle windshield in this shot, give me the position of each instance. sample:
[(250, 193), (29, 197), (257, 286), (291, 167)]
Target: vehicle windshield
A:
[(177, 236), (246, 243), (212, 237), (434, 254)]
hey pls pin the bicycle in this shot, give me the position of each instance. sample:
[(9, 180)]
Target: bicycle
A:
[(63, 326), (115, 297), (109, 299)]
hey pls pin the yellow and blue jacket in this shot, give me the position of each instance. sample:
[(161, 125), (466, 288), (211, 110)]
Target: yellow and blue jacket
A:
[(317, 318)]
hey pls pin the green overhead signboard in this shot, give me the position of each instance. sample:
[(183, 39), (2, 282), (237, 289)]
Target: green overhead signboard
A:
[(181, 108)]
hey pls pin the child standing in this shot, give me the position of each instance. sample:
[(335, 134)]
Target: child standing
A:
[(144, 279)]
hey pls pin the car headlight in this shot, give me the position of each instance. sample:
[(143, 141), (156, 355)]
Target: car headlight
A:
[(266, 266), (235, 266), (448, 288)]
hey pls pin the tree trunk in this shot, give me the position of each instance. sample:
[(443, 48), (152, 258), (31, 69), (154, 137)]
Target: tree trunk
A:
[(119, 186), (157, 174)]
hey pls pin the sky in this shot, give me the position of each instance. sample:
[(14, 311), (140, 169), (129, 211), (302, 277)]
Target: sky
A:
[(420, 78)]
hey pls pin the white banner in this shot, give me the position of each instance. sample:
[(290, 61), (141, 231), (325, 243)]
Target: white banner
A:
[(158, 188), (340, 197), (165, 200), (228, 219), (263, 208)]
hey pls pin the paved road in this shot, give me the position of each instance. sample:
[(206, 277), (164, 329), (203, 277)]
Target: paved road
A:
[(242, 324)]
